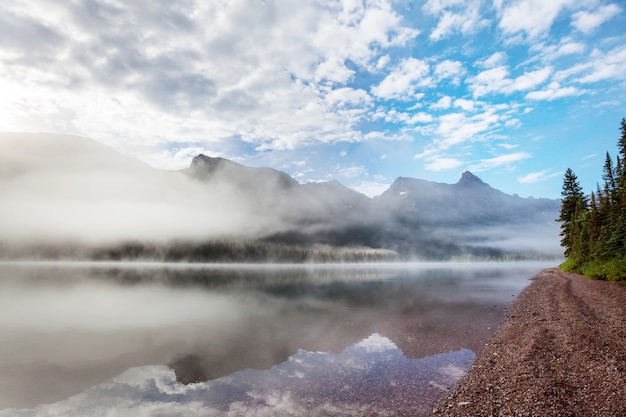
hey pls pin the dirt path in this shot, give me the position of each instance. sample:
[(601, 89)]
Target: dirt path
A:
[(562, 352)]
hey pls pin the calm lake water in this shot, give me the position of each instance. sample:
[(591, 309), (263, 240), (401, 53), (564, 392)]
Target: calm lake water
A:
[(199, 340)]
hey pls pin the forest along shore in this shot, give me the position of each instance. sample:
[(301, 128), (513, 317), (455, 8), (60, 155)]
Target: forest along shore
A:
[(562, 352)]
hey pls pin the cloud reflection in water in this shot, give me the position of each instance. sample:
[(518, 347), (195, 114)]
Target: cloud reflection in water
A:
[(370, 377)]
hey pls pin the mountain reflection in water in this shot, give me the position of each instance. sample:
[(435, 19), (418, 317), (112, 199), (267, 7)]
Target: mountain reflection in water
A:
[(243, 336), (372, 377)]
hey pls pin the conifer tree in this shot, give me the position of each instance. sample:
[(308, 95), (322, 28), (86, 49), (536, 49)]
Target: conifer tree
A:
[(608, 175), (621, 179), (594, 236), (573, 205)]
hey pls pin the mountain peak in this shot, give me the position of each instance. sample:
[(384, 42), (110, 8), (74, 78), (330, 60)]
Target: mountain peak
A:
[(469, 179), (209, 162)]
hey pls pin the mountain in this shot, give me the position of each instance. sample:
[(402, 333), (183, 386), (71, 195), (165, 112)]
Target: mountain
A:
[(303, 206), (57, 189), (413, 217), (207, 168), (468, 202)]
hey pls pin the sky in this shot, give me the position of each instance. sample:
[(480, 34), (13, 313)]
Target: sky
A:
[(362, 92)]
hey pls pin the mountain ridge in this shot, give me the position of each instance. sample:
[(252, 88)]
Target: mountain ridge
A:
[(87, 194)]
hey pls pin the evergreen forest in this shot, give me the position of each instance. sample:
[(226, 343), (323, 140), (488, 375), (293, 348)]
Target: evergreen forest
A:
[(593, 226)]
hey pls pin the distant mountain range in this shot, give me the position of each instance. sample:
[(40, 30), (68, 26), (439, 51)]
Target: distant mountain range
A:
[(69, 189), (413, 216)]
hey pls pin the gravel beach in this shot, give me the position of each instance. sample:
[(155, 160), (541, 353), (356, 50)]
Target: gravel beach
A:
[(562, 352)]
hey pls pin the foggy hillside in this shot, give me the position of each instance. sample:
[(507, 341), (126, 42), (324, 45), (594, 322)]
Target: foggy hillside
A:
[(64, 190)]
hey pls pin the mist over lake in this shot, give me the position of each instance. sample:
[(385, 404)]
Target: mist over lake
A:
[(74, 334)]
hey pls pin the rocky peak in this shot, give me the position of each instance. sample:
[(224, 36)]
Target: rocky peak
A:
[(468, 180), (209, 163)]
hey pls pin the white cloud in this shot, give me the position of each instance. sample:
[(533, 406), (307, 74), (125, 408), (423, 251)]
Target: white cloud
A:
[(442, 164), (253, 71), (495, 162), (467, 105), (456, 128), (348, 96), (489, 81), (588, 21), (455, 16), (444, 103), (402, 82), (395, 116), (609, 65), (530, 79), (552, 92), (372, 188), (496, 80), (437, 6), (571, 48), (352, 172), (495, 60), (537, 176), (382, 62), (429, 152), (533, 17), (598, 66), (449, 69)]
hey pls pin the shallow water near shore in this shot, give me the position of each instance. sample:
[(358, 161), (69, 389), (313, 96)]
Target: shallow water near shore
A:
[(194, 339)]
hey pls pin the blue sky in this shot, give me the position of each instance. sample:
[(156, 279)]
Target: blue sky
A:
[(357, 91)]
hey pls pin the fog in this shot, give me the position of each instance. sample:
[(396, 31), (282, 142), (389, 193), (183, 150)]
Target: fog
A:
[(56, 188), (65, 190), (540, 238)]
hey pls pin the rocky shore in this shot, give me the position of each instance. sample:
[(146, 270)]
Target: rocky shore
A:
[(562, 352)]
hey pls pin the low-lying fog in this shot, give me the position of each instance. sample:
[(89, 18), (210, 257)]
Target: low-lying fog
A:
[(62, 189), (65, 328), (56, 188)]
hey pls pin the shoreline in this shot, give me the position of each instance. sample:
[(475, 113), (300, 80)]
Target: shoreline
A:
[(561, 352)]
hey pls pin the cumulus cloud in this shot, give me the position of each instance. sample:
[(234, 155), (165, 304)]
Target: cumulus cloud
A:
[(604, 66), (442, 164), (497, 59), (531, 17), (404, 80), (372, 188), (455, 16), (496, 80), (216, 71), (571, 48), (456, 128), (467, 105), (553, 91), (406, 117), (449, 70), (588, 21), (443, 103), (248, 80)]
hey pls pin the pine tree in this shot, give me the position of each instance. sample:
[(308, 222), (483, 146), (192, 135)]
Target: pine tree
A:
[(593, 225), (620, 175), (594, 236), (608, 175), (573, 205)]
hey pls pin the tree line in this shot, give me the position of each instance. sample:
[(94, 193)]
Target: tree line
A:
[(593, 226), (219, 251)]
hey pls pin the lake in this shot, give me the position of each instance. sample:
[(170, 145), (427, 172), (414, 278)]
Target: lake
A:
[(157, 339)]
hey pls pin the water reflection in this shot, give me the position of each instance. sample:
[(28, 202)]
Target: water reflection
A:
[(67, 327), (372, 377)]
